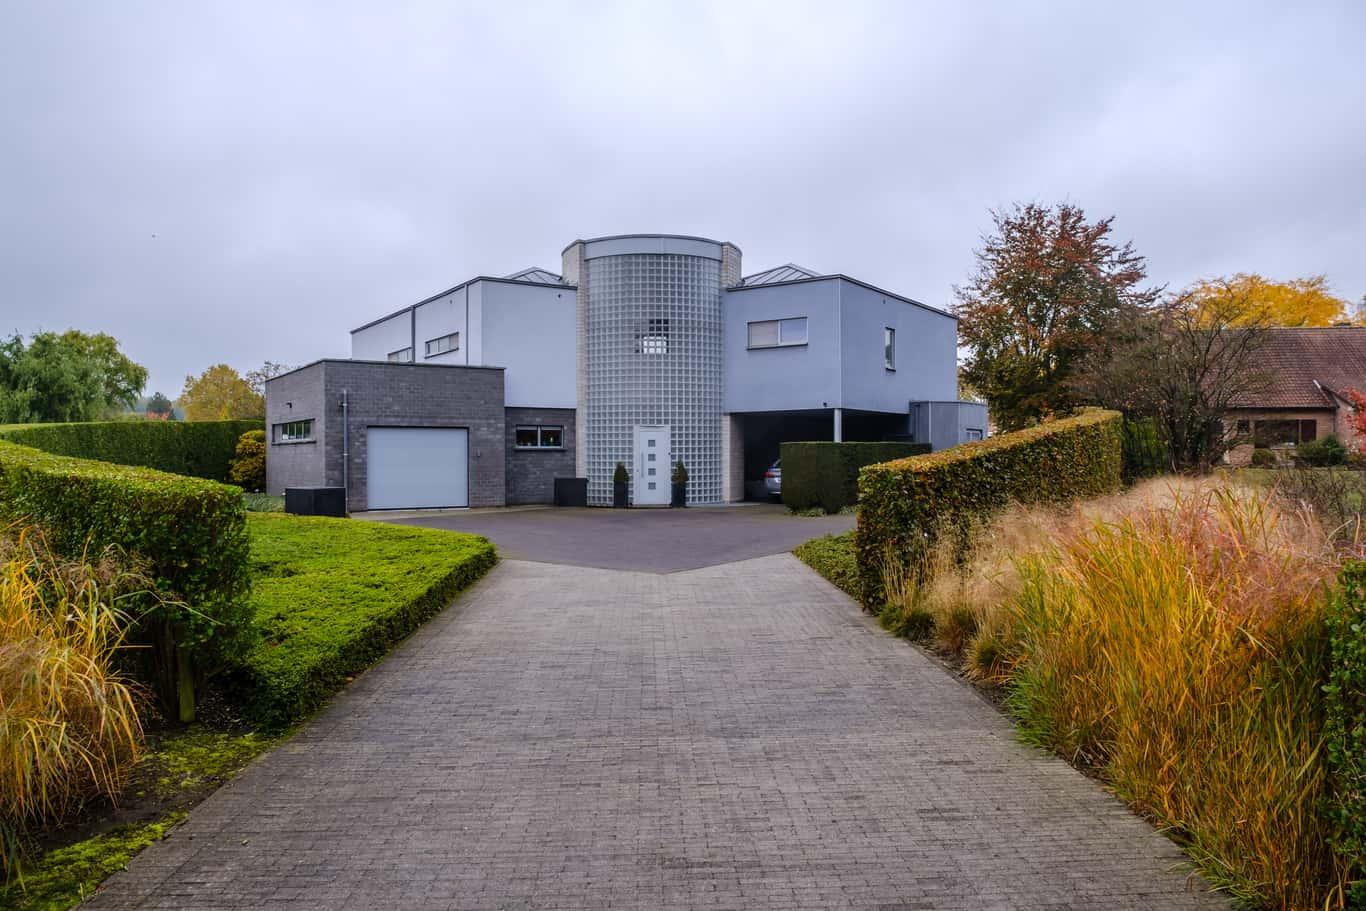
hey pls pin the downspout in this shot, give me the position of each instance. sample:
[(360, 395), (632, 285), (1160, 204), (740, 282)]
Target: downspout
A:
[(346, 450)]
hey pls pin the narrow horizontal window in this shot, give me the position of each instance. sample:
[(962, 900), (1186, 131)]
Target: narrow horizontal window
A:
[(401, 356), (777, 333), (539, 436), (294, 431), (443, 344)]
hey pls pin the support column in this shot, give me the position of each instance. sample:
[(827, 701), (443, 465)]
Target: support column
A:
[(839, 425)]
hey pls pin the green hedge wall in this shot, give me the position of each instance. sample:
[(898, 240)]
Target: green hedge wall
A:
[(825, 474), (1346, 723), (191, 533), (904, 505), (200, 449)]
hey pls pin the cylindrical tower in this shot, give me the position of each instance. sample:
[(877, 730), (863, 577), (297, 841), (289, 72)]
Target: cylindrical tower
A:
[(650, 361)]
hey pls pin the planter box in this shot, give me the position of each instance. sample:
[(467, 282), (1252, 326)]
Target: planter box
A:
[(619, 495), (571, 491), (679, 498)]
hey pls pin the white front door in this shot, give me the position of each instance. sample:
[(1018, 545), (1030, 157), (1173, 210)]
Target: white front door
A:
[(650, 486)]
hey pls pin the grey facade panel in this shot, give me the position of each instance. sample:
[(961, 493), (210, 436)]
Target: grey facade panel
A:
[(945, 424), (531, 473)]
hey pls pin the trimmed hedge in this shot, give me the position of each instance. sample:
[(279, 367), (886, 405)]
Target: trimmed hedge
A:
[(191, 533), (332, 596), (833, 557), (1345, 733), (199, 449), (825, 473), (904, 505)]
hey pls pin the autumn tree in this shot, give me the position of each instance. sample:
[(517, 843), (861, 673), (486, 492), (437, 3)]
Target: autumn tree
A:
[(220, 394), (1183, 364), (1048, 289), (257, 378), (1296, 303)]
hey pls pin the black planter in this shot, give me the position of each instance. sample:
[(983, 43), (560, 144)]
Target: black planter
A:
[(619, 494), (680, 496)]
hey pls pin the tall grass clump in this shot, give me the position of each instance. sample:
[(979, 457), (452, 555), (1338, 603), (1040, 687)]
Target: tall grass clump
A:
[(1179, 651), (69, 725)]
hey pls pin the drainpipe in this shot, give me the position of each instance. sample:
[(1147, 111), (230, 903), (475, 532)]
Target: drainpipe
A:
[(839, 425), (346, 449)]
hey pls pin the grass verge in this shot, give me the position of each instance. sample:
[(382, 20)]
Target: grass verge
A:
[(332, 596)]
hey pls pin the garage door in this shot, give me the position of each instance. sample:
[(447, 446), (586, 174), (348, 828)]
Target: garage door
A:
[(417, 467)]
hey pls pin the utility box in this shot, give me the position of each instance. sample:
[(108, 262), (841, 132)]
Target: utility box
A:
[(571, 491), (316, 501)]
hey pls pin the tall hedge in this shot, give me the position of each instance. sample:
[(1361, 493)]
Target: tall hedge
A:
[(904, 504), (825, 473), (190, 532), (1345, 731), (199, 449)]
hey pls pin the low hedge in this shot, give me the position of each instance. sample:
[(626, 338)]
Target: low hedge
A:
[(190, 533), (833, 557), (825, 474), (904, 505), (1345, 732), (199, 449), (332, 596)]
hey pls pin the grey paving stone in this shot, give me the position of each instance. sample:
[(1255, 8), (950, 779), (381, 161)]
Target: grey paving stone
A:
[(732, 737)]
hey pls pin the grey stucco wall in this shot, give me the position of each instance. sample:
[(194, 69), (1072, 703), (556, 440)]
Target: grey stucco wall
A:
[(295, 396), (529, 330), (782, 379), (926, 352), (531, 473)]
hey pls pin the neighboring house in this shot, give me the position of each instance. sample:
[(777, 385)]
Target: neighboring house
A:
[(644, 349), (1308, 373)]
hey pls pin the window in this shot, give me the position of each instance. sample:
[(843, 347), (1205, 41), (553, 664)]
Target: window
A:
[(972, 433), (655, 338), (294, 431), (401, 356), (539, 436), (889, 348), (443, 344), (1283, 433), (777, 333)]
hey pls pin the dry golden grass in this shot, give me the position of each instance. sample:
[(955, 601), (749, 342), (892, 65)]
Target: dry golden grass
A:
[(1170, 639), (69, 726)]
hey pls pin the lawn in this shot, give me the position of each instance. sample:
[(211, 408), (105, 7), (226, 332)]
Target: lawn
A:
[(332, 596)]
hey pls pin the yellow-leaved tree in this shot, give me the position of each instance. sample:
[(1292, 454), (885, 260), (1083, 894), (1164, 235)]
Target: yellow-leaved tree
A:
[(220, 394), (1296, 303)]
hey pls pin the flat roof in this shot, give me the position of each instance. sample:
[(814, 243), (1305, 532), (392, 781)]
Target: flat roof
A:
[(593, 240), (521, 283), (370, 363), (834, 276)]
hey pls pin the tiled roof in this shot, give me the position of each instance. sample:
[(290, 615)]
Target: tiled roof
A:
[(1294, 359)]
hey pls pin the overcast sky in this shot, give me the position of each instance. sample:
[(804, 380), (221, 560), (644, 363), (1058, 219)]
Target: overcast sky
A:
[(239, 182)]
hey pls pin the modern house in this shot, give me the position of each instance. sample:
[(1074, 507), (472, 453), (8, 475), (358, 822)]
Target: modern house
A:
[(644, 349), (1305, 375)]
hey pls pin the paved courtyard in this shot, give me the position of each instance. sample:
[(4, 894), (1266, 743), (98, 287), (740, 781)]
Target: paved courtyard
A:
[(653, 540), (737, 737)]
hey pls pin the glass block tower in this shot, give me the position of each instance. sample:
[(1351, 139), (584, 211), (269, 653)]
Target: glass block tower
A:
[(649, 355)]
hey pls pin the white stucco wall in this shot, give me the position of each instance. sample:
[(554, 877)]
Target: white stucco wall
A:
[(373, 343), (529, 329)]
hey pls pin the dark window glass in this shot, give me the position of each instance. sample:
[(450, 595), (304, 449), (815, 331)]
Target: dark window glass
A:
[(1276, 433), (1309, 430), (552, 436)]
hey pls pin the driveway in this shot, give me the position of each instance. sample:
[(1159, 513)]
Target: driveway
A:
[(651, 540), (734, 737)]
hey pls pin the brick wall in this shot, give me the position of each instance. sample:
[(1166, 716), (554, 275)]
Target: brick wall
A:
[(1326, 418), (295, 396), (531, 473)]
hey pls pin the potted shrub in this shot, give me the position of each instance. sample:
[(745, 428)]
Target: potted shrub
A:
[(680, 485), (620, 480)]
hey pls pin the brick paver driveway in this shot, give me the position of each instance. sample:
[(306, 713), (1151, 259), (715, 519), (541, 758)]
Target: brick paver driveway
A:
[(732, 737)]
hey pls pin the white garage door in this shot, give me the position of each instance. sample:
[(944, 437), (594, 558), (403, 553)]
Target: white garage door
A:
[(417, 467)]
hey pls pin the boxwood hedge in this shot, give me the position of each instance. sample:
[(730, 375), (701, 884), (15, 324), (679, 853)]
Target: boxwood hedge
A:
[(199, 449), (904, 504), (825, 473), (332, 596), (191, 533)]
